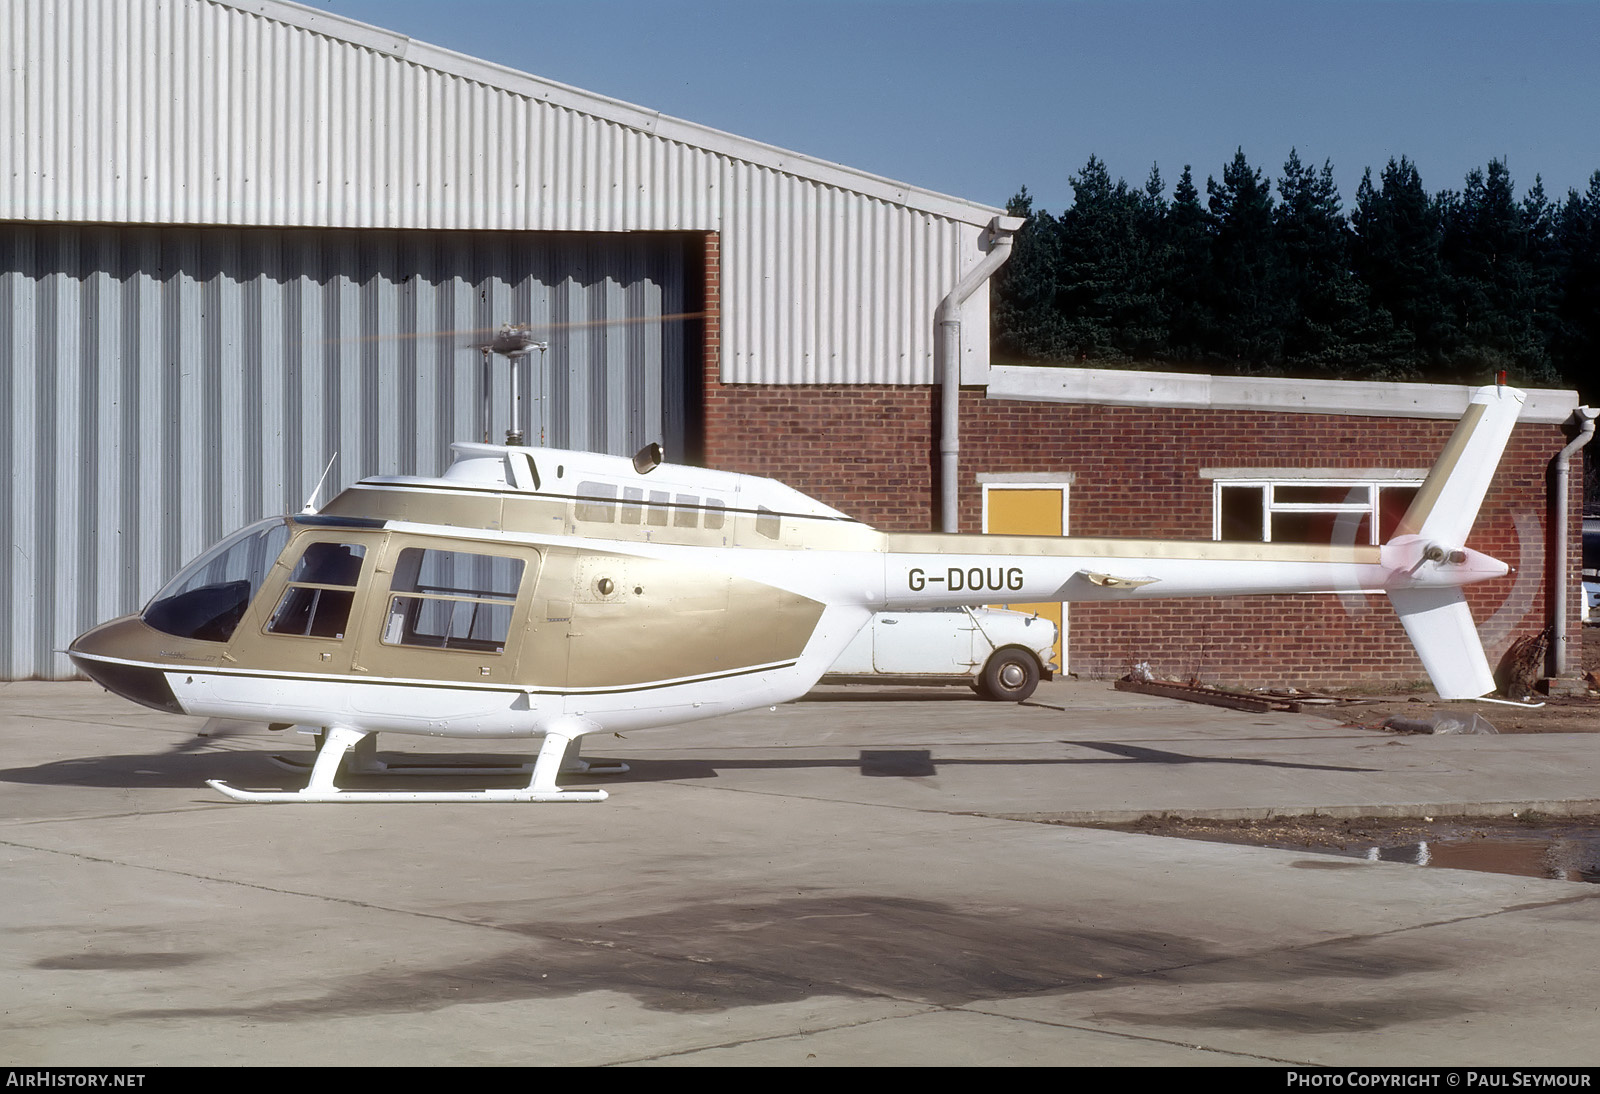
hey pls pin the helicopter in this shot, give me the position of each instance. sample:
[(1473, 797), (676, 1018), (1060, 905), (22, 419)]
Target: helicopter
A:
[(545, 594)]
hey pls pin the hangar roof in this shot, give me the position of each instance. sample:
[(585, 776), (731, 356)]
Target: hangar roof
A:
[(270, 112), (622, 113)]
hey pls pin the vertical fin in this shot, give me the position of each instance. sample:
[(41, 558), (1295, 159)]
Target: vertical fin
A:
[(1435, 615), (1447, 504), (1440, 626)]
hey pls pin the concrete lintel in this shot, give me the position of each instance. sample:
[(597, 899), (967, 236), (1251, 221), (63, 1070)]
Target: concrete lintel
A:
[(1374, 474), (1006, 478), (1129, 387)]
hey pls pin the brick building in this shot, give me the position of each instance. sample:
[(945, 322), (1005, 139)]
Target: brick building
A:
[(1165, 456)]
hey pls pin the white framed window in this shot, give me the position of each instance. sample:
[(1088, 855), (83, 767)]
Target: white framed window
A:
[(452, 600), (1308, 506), (321, 590)]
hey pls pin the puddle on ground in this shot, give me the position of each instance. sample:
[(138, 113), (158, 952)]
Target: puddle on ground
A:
[(1563, 849)]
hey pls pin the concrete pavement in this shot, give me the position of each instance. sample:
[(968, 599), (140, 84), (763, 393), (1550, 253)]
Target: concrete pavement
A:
[(861, 877)]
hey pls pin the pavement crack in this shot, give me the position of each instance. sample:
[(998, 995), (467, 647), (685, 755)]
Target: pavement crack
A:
[(805, 1031), (167, 871), (1125, 1035)]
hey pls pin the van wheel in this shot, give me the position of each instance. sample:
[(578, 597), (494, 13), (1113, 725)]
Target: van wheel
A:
[(1010, 676)]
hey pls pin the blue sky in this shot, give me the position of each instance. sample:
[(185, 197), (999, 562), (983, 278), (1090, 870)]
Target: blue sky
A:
[(977, 98)]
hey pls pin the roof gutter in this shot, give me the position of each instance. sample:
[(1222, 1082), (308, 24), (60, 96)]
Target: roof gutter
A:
[(947, 362)]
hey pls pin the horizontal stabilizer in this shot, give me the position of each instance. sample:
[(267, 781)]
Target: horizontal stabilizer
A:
[(1440, 627), (1114, 581)]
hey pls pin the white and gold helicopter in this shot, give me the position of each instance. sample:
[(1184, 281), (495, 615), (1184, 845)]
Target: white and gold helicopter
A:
[(538, 593)]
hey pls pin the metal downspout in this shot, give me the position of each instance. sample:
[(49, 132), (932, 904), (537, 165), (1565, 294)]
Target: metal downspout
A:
[(947, 362), (1585, 416)]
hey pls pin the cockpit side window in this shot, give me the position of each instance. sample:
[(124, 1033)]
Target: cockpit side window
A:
[(321, 590), (209, 596)]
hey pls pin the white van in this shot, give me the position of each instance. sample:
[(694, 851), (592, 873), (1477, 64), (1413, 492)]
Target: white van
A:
[(1001, 654)]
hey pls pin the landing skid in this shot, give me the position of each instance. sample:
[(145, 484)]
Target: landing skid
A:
[(337, 795), (362, 759), (553, 760)]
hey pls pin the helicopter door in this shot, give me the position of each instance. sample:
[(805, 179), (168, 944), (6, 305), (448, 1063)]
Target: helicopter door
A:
[(311, 619), (454, 611)]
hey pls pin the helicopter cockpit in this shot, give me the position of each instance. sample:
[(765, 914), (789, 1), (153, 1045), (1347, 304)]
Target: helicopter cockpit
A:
[(442, 599), (208, 598)]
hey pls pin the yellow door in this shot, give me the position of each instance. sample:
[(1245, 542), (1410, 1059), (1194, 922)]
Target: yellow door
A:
[(1031, 511)]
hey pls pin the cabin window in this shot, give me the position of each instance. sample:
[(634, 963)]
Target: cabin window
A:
[(1347, 511), (596, 501), (452, 600), (685, 511), (321, 590), (658, 513), (632, 510)]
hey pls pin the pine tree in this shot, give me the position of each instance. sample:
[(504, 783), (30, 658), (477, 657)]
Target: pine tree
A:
[(1325, 321), (1490, 258), (1187, 285), (1395, 254), (1024, 317), (1251, 306), (1576, 338), (1105, 277), (1449, 287)]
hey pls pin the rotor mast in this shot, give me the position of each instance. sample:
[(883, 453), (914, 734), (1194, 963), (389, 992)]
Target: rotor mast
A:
[(513, 342)]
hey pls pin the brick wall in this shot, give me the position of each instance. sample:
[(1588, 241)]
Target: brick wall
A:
[(1136, 472), (872, 451)]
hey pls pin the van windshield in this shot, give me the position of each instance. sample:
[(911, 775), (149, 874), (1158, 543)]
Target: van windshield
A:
[(209, 597)]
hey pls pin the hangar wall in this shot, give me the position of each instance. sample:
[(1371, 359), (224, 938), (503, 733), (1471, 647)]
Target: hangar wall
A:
[(195, 115), (172, 384), (269, 113), (130, 128)]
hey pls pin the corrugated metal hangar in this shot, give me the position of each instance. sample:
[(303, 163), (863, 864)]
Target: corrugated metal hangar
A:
[(240, 239)]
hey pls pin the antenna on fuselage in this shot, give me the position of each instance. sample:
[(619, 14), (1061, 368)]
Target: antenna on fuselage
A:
[(311, 502)]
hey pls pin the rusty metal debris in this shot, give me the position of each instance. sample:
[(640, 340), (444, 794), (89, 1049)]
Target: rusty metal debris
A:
[(1202, 693), (1519, 670)]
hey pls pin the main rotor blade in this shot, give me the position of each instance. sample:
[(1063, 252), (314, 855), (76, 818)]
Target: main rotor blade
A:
[(483, 337)]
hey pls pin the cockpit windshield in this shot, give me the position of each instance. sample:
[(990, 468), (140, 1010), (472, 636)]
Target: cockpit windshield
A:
[(209, 597)]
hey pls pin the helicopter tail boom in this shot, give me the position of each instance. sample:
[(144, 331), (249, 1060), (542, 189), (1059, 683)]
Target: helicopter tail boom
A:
[(1422, 568)]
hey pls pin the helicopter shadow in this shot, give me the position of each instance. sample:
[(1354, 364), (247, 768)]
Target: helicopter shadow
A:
[(191, 763), (896, 695)]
